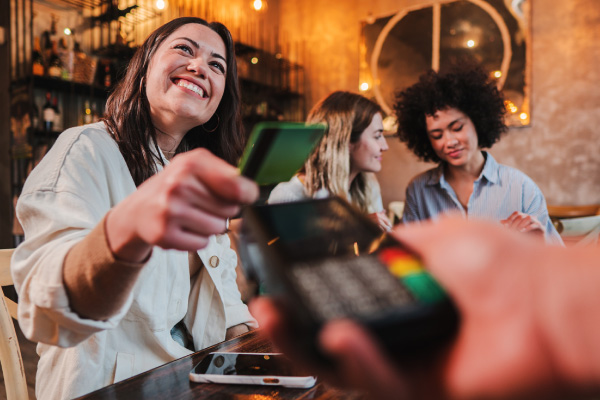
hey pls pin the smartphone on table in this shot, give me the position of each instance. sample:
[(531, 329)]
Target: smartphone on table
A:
[(272, 369), (323, 259), (277, 150)]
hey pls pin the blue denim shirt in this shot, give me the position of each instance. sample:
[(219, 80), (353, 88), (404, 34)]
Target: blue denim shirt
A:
[(497, 193)]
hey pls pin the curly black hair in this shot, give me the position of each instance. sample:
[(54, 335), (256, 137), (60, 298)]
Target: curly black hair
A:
[(469, 90)]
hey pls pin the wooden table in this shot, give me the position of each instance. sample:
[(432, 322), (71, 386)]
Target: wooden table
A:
[(170, 381)]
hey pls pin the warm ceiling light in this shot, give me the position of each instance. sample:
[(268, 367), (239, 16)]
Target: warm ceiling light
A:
[(258, 5), (523, 116), (470, 43), (67, 31), (364, 86), (497, 74), (160, 4), (254, 60)]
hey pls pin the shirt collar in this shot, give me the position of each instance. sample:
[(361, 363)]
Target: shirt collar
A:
[(490, 171)]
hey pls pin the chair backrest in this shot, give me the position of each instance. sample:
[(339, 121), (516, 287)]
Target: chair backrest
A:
[(395, 210), (557, 212), (582, 231), (13, 369)]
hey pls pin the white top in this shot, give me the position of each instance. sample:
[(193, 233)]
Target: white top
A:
[(64, 198), (294, 190)]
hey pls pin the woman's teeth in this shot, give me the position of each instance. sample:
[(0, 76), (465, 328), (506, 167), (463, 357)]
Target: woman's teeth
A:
[(191, 86)]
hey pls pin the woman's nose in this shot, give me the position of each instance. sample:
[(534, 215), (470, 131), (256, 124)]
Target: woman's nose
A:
[(197, 66), (452, 139), (385, 146)]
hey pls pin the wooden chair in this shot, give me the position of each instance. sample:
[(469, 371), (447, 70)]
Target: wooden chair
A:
[(581, 231), (395, 210), (557, 212), (13, 369)]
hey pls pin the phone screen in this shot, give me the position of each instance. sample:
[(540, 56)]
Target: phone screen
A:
[(247, 364)]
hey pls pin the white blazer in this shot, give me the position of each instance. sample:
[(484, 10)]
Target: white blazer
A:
[(80, 179)]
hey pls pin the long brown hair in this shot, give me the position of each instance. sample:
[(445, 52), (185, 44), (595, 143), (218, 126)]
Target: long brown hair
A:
[(346, 115), (128, 112)]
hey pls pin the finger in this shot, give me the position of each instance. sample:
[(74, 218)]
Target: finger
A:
[(199, 222), (524, 222), (272, 323), (182, 240), (222, 179), (513, 216), (199, 196), (361, 361), (385, 220)]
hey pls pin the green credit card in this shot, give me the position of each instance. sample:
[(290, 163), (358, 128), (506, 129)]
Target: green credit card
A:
[(277, 150)]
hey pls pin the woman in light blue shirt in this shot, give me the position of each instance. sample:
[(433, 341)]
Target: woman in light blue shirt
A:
[(449, 118)]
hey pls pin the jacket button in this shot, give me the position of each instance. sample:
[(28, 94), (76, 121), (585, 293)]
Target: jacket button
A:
[(214, 261)]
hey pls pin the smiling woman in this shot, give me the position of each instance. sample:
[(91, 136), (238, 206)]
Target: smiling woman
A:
[(125, 265), (449, 118), (343, 163)]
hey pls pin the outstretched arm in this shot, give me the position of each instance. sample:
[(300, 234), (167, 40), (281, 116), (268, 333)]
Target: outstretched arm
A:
[(179, 208)]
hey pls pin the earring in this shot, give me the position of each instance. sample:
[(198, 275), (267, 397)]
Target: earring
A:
[(216, 125)]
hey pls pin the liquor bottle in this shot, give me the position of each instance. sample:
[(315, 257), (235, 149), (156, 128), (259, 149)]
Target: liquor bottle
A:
[(87, 113), (46, 48), (48, 113), (66, 56), (107, 76), (55, 65), (58, 121), (36, 58)]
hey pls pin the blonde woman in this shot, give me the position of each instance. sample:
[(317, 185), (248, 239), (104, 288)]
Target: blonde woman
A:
[(344, 162)]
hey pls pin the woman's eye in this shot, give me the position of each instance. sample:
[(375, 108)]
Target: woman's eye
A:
[(458, 128), (184, 47), (436, 137), (218, 66)]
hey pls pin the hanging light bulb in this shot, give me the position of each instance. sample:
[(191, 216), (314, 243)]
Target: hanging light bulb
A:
[(160, 4), (259, 5)]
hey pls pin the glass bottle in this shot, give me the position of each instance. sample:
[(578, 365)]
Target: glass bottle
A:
[(58, 121), (36, 58), (55, 65), (48, 113), (107, 76)]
